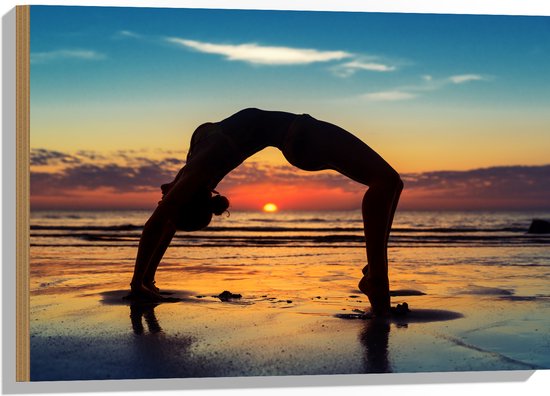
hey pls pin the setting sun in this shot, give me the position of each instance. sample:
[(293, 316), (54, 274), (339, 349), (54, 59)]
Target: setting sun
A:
[(270, 207)]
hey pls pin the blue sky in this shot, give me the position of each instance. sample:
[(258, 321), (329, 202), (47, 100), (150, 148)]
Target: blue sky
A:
[(428, 92), (362, 71), (133, 42)]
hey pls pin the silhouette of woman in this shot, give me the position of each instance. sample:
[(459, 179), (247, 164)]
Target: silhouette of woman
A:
[(217, 148)]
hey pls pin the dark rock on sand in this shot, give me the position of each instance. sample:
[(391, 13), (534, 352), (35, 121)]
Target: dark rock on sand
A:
[(401, 309), (227, 295), (539, 226)]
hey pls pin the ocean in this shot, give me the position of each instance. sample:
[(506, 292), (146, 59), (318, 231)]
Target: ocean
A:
[(292, 229)]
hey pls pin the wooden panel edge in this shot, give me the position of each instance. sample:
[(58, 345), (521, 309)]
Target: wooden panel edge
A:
[(22, 13)]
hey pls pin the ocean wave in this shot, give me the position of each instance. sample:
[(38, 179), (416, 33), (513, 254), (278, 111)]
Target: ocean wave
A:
[(300, 220), (63, 216), (400, 230), (121, 227), (203, 239)]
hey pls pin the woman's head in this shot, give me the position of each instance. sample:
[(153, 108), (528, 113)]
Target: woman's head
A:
[(197, 214)]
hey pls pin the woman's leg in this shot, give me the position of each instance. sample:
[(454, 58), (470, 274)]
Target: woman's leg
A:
[(328, 146), (375, 203), (378, 209), (379, 205)]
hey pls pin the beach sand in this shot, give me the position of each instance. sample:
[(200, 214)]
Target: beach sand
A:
[(300, 313)]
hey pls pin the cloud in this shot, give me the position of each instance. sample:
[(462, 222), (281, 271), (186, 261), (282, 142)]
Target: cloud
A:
[(262, 55), (128, 34), (39, 157), (428, 84), (66, 54), (120, 178), (503, 187), (464, 78), (90, 155), (514, 179), (256, 54), (512, 187), (91, 170), (350, 68), (252, 173), (389, 96), (372, 66), (136, 173)]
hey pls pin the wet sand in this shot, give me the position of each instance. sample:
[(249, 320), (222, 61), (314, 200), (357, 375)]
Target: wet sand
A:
[(291, 319)]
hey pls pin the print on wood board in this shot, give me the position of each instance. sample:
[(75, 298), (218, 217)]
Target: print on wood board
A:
[(212, 193)]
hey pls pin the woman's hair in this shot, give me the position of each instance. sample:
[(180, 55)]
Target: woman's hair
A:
[(197, 214), (219, 204)]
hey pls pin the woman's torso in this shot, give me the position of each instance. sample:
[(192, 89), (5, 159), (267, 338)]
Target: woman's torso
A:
[(252, 130), (227, 143)]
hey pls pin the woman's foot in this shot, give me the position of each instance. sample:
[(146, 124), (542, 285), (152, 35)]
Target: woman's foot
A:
[(144, 293), (378, 292), (151, 286)]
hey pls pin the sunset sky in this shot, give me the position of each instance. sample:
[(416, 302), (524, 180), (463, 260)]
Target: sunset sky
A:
[(457, 104)]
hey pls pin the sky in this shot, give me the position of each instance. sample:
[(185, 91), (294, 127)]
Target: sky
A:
[(457, 104)]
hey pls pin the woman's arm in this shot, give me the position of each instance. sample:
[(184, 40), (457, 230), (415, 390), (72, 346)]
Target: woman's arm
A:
[(159, 230), (155, 238), (205, 170), (154, 261)]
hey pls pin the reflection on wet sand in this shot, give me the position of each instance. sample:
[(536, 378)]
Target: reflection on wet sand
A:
[(374, 338), (139, 311), (153, 352)]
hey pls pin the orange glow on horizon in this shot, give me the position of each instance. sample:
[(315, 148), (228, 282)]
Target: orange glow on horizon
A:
[(270, 208), (310, 196), (291, 197)]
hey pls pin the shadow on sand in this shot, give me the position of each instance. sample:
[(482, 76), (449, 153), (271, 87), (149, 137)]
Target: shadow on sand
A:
[(122, 297), (413, 316)]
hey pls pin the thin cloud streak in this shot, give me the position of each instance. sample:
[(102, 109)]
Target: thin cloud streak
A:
[(388, 96), (430, 84), (128, 34), (66, 54), (350, 68), (464, 78), (262, 55), (372, 66)]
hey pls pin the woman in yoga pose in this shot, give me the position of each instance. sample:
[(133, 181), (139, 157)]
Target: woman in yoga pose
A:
[(217, 148)]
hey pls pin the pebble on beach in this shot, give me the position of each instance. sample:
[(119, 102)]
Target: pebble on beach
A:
[(401, 309), (226, 295)]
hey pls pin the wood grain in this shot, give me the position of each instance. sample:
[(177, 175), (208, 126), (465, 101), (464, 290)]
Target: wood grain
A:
[(22, 13)]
